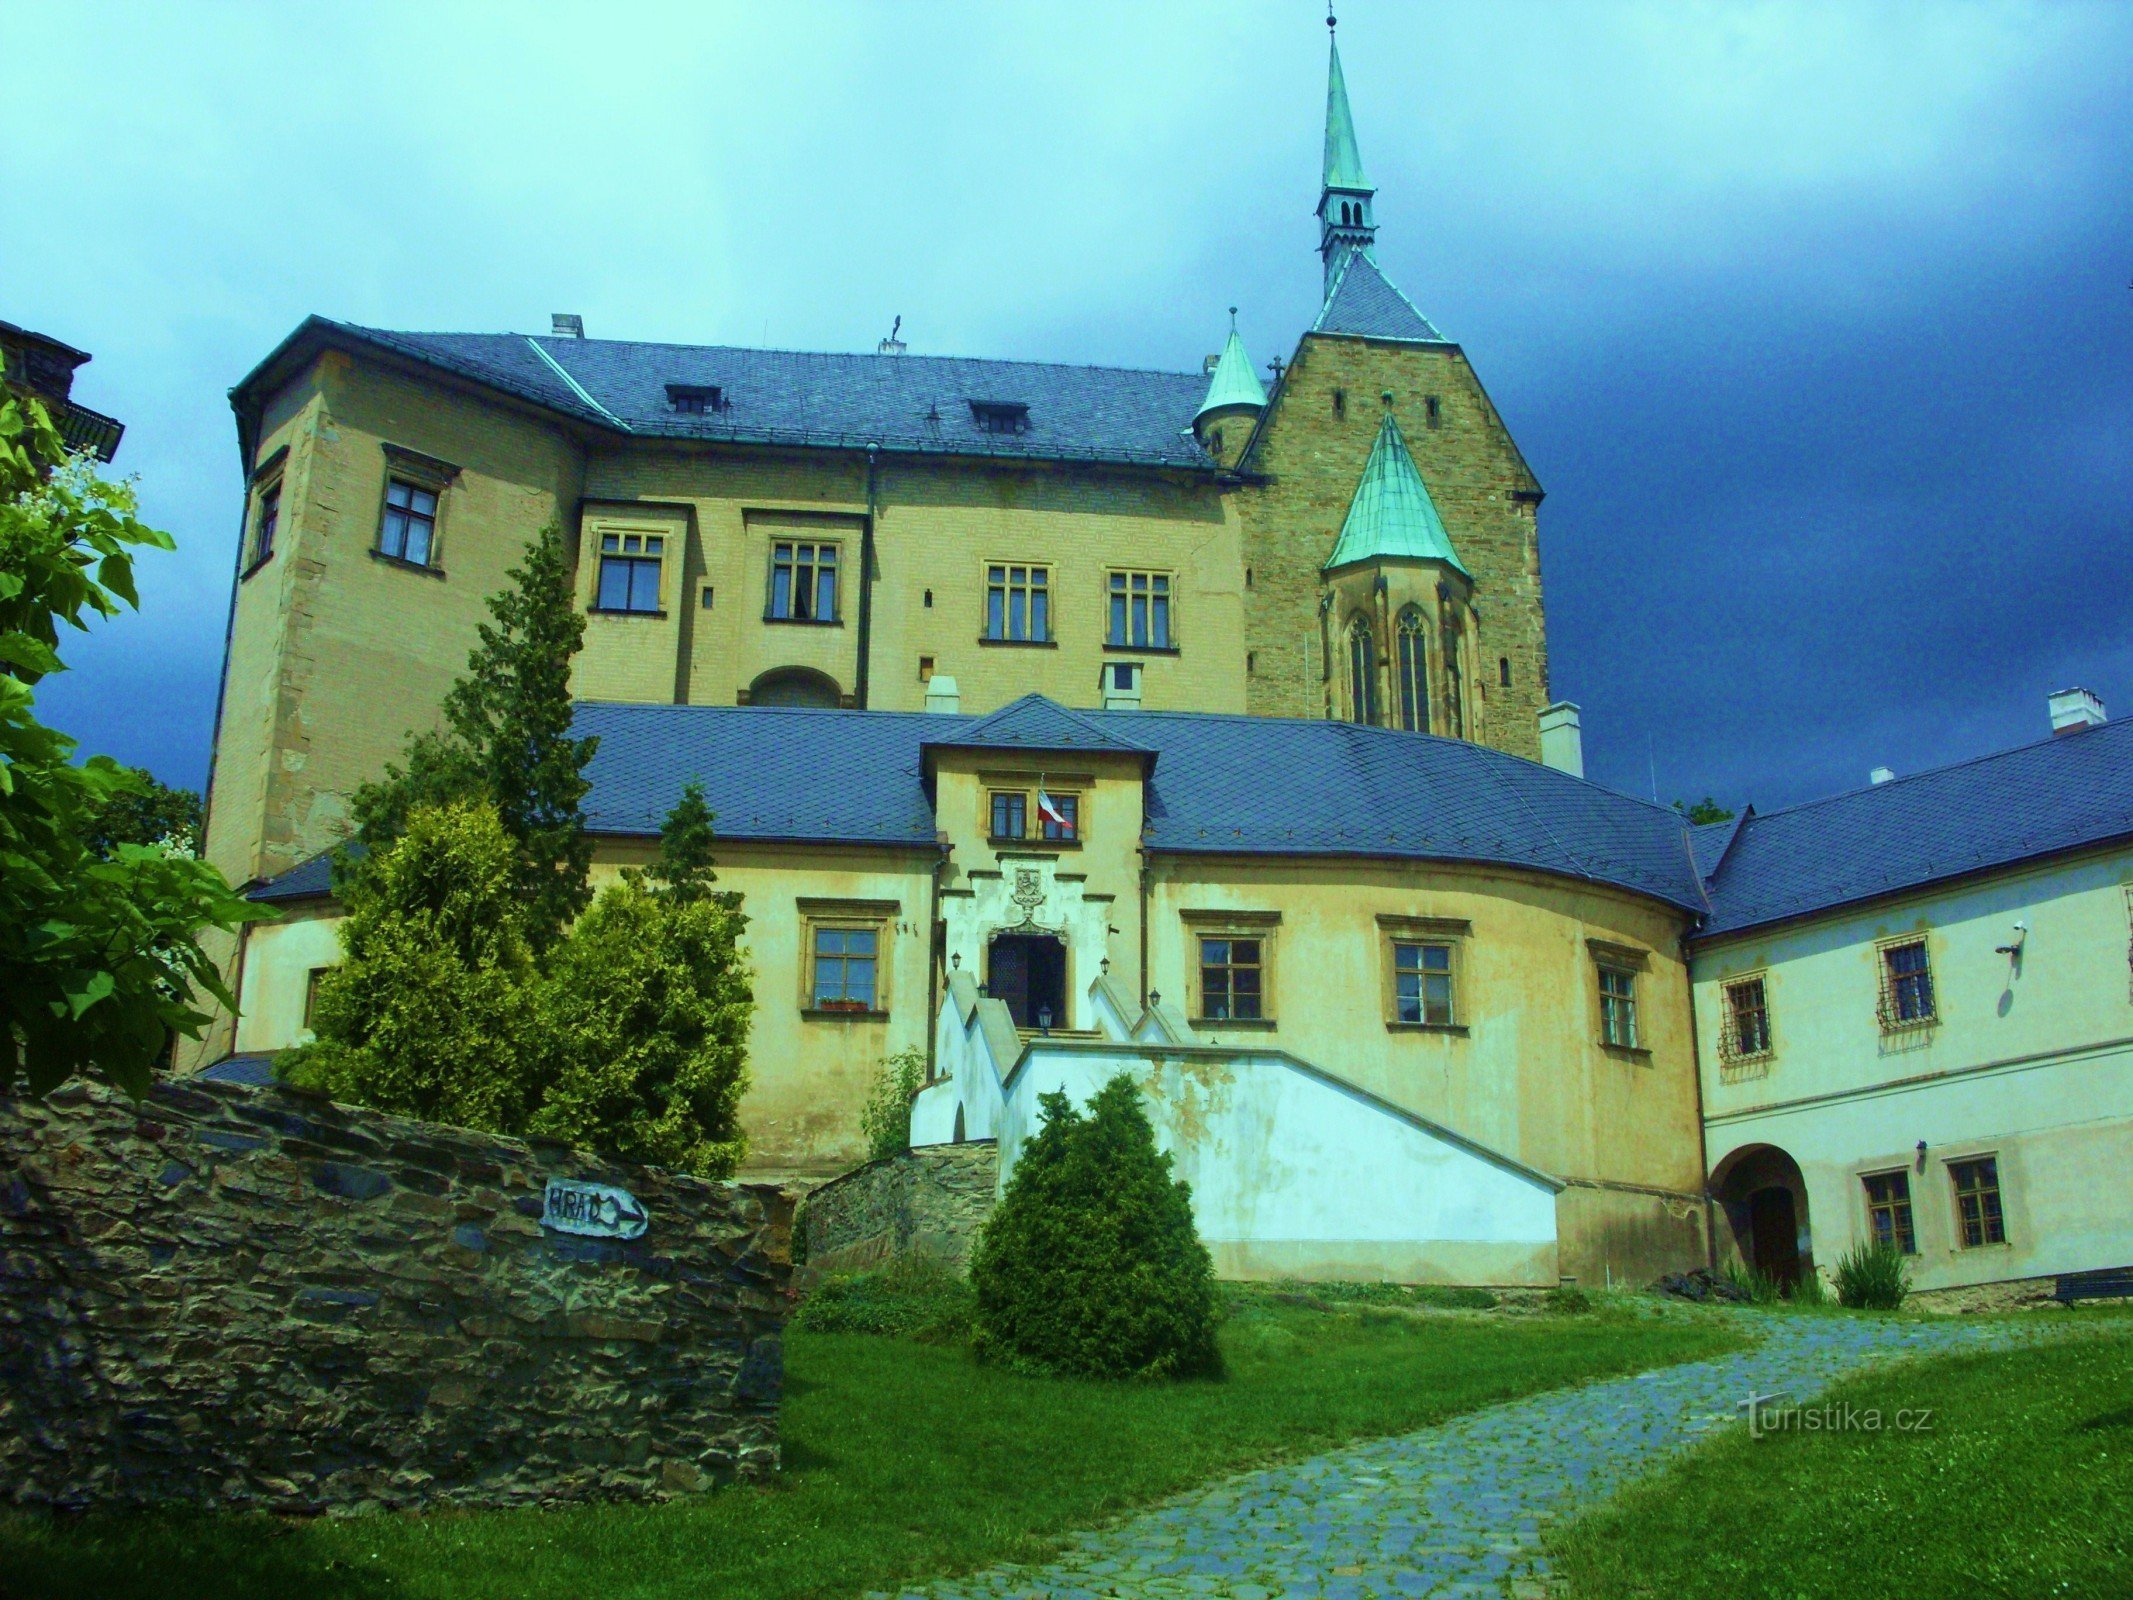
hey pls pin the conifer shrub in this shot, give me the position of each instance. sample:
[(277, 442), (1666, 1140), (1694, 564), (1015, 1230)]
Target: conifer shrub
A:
[(1873, 1277), (1091, 1266)]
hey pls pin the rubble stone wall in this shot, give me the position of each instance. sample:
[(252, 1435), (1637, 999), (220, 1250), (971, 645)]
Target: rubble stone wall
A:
[(245, 1297), (932, 1201)]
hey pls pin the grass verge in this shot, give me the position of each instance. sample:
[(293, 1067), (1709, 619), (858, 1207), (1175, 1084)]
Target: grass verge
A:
[(904, 1460), (2017, 1485)]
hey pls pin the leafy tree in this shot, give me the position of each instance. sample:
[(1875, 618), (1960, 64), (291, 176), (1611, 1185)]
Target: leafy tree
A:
[(507, 738), (647, 1008), (99, 951), (886, 1117), (1703, 811), (150, 815), (431, 1013), (1091, 1263)]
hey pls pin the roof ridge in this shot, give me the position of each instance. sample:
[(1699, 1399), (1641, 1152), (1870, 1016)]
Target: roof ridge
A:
[(1930, 772), (787, 350)]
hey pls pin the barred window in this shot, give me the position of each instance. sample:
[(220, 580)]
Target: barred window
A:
[(410, 524), (803, 582), (1747, 1020), (1231, 970), (1018, 604), (1618, 1007), (1888, 1210), (1140, 610), (1906, 985), (1977, 1201), (1422, 982)]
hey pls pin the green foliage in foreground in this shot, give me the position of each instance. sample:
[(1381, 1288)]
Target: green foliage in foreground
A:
[(903, 1462), (1091, 1264), (885, 1119), (153, 813), (913, 1296), (2019, 1489), (99, 953), (1873, 1277)]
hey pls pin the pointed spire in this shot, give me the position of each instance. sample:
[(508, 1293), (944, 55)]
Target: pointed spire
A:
[(1392, 516), (1344, 163), (1234, 382)]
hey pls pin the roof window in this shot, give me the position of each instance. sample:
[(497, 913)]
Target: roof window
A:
[(696, 398), (1000, 416)]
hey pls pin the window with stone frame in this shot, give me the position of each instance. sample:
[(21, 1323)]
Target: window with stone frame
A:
[(1412, 660), (1979, 1219), (803, 582), (1907, 999), (1232, 977), (266, 520), (1018, 604), (1618, 1008), (1422, 982), (846, 948), (1139, 615), (1744, 1040), (629, 572), (1888, 1210), (1362, 673), (407, 530)]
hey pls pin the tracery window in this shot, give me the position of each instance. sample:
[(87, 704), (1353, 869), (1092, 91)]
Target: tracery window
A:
[(1362, 674), (1413, 659), (1454, 686)]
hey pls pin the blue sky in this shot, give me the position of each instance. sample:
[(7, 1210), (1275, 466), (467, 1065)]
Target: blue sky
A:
[(1816, 323)]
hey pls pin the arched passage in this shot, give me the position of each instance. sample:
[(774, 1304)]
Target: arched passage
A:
[(795, 686), (1764, 1198)]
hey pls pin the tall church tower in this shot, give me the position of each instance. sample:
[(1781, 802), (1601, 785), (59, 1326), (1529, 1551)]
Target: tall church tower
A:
[(1391, 550)]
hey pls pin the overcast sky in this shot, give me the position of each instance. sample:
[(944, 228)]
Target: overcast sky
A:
[(1816, 324)]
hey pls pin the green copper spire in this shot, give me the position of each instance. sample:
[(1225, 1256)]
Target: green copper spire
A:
[(1344, 163), (1392, 516), (1234, 382)]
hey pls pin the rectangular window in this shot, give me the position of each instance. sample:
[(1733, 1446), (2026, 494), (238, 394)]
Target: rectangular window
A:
[(267, 523), (1231, 974), (803, 582), (1747, 1020), (629, 571), (1422, 983), (1140, 610), (1618, 1007), (1906, 985), (311, 982), (1010, 815), (1888, 1210), (410, 524), (845, 968), (1977, 1201), (1059, 815), (1018, 604)]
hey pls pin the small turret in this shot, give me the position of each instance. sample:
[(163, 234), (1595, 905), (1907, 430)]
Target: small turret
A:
[(1235, 397)]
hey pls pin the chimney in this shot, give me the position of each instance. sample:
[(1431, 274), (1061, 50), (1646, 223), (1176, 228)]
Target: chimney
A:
[(1208, 365), (941, 694), (566, 325), (2075, 709), (1879, 776), (1122, 686), (1563, 739)]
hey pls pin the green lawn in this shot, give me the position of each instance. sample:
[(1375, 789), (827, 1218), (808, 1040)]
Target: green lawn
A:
[(903, 1460), (2022, 1487)]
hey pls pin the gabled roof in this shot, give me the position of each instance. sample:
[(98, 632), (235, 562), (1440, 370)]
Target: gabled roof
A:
[(2059, 794), (1364, 303), (1234, 382), (907, 403), (1392, 516), (1036, 723), (1344, 162)]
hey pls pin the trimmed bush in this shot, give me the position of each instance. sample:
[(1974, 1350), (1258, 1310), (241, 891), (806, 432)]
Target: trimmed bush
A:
[(1091, 1265), (1873, 1277)]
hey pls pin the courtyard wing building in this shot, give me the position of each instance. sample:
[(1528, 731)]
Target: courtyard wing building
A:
[(1059, 721)]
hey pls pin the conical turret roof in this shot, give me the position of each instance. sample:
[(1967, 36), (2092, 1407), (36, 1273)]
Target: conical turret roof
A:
[(1234, 382), (1344, 163), (1392, 515)]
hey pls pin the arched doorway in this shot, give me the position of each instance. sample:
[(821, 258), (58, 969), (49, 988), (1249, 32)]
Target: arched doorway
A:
[(1764, 1198), (795, 686), (1028, 971)]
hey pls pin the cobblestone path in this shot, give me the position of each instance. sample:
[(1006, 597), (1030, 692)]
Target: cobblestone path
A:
[(1455, 1509)]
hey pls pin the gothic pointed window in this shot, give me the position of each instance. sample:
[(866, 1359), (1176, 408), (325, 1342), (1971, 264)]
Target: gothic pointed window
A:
[(1414, 673), (1362, 674), (1454, 686)]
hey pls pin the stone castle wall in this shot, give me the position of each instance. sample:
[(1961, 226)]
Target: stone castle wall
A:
[(931, 1201), (244, 1297)]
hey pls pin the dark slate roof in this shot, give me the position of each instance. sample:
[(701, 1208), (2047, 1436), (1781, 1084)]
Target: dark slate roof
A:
[(2037, 800), (1035, 723), (1224, 785), (1363, 301), (305, 881), (801, 398), (255, 1070)]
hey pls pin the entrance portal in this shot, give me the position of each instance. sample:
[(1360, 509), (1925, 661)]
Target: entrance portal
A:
[(1765, 1201), (1774, 1233), (1028, 971)]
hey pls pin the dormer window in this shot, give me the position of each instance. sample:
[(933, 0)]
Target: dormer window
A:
[(998, 416), (696, 399)]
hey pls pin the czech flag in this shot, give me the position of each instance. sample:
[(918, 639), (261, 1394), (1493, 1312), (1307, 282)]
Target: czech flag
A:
[(1051, 811)]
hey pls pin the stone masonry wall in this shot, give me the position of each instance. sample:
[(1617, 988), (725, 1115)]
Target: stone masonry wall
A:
[(246, 1297), (931, 1200)]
